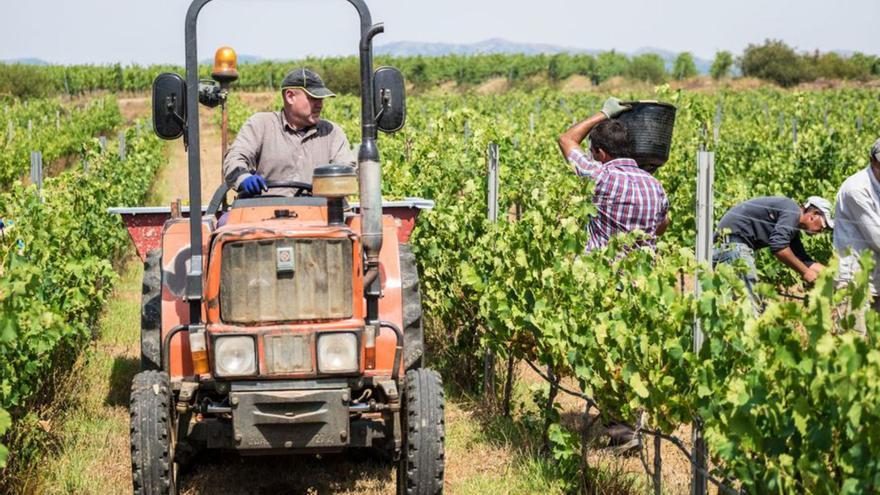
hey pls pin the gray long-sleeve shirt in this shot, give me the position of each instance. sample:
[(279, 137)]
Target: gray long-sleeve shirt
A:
[(769, 221), (857, 224), (268, 145)]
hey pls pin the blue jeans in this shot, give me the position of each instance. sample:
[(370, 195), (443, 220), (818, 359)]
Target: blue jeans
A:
[(728, 253)]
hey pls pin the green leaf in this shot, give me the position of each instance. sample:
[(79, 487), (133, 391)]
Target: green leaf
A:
[(638, 386)]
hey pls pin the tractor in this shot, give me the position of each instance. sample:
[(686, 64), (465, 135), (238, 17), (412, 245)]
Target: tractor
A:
[(295, 326)]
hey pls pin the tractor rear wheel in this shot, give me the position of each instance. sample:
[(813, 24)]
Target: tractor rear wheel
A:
[(413, 336), (153, 435), (421, 466), (151, 312)]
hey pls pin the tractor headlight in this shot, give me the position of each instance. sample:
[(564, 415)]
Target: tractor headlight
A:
[(337, 352), (235, 356)]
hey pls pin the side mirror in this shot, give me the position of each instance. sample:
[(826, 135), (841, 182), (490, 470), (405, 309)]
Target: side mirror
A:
[(390, 99), (169, 105)]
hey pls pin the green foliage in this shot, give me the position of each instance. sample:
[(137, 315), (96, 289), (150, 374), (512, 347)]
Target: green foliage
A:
[(684, 67), (722, 65), (622, 326), (833, 66), (48, 126), (774, 61), (55, 260), (648, 67), (26, 81)]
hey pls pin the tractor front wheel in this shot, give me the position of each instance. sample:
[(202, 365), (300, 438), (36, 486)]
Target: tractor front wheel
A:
[(152, 434), (421, 466)]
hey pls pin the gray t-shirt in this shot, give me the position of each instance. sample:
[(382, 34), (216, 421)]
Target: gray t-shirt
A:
[(268, 145), (769, 221)]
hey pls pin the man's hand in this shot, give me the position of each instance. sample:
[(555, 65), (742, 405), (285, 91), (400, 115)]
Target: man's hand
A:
[(613, 107), (810, 276), (253, 185)]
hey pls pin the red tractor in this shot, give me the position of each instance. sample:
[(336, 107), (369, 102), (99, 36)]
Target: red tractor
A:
[(294, 328)]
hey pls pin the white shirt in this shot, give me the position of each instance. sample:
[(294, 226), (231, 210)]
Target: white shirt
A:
[(857, 224)]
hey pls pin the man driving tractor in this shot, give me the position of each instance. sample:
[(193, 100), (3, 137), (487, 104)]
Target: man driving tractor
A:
[(288, 144)]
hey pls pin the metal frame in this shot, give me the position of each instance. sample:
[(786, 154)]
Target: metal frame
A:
[(368, 150)]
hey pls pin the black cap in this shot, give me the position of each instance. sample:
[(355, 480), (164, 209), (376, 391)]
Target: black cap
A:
[(307, 81)]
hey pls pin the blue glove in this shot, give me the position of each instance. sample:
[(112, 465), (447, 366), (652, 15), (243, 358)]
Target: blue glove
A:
[(253, 185)]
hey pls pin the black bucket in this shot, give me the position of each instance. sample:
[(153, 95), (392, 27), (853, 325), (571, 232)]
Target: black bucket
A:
[(650, 125)]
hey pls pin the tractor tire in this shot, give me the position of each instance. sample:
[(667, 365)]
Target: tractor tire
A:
[(413, 335), (421, 466), (152, 434), (151, 312)]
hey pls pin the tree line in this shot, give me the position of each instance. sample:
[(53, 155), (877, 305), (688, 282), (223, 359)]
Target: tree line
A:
[(772, 61)]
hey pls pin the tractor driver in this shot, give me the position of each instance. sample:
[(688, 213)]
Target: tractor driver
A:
[(287, 145)]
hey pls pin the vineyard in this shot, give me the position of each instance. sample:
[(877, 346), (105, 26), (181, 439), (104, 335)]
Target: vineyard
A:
[(787, 401), (57, 248), (56, 130)]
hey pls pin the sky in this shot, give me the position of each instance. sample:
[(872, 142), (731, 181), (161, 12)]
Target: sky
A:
[(151, 31)]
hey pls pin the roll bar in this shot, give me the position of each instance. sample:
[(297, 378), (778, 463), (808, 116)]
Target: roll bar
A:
[(368, 149)]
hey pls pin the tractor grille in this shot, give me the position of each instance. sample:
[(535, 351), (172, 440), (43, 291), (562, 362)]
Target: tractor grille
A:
[(286, 353), (286, 280)]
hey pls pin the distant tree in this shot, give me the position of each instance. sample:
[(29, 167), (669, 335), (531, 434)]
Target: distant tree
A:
[(26, 81), (774, 61), (869, 63), (722, 65), (648, 67), (833, 66), (684, 67), (608, 65)]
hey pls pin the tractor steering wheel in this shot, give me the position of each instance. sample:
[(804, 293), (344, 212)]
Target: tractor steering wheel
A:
[(217, 200), (302, 189)]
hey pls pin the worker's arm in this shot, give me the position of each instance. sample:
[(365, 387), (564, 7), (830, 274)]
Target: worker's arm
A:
[(868, 219), (571, 139), (664, 213), (340, 149), (788, 257), (243, 155), (661, 229)]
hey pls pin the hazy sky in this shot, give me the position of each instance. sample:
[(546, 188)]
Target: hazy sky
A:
[(151, 31)]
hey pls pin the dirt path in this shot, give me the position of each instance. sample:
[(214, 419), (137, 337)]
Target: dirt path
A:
[(172, 182)]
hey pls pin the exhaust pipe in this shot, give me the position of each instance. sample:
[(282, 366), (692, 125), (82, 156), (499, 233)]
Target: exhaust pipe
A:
[(370, 172)]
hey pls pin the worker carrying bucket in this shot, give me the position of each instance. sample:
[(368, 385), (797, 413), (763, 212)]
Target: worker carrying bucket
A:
[(627, 196)]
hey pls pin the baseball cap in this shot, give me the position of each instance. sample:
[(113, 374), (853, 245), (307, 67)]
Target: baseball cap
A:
[(824, 207), (308, 81), (875, 150)]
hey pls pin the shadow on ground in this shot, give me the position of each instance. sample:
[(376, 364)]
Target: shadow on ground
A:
[(229, 473), (124, 369)]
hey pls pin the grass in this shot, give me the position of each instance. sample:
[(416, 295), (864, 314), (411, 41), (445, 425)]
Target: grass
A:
[(90, 428)]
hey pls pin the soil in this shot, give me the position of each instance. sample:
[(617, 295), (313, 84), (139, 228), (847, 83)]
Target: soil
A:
[(493, 86)]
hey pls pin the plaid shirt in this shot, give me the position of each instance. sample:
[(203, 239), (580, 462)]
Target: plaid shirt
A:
[(627, 198)]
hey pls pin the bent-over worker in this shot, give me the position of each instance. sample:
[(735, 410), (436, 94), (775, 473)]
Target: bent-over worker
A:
[(773, 222)]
